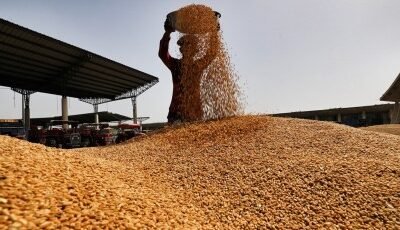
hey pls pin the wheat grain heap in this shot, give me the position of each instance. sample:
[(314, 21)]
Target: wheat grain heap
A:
[(387, 128), (242, 172), (219, 92)]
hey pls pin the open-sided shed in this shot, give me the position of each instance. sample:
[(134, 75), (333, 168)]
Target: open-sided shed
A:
[(33, 62)]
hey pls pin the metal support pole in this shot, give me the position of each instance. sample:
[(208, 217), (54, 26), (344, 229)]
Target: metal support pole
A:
[(23, 109), (64, 110), (25, 112), (96, 113), (339, 118), (364, 115), (395, 114), (134, 106), (27, 123)]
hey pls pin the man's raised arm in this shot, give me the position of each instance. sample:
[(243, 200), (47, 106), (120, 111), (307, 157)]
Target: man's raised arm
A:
[(164, 46)]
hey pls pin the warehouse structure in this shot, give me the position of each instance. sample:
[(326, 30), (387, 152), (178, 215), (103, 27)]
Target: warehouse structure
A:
[(359, 116), (352, 116), (32, 62), (393, 95)]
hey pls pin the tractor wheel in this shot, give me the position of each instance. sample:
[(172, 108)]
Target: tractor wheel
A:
[(52, 142), (85, 142)]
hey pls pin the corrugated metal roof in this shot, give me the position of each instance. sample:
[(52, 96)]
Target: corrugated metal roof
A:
[(393, 93), (33, 61)]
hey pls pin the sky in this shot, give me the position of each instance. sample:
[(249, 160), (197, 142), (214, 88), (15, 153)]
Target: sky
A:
[(290, 55)]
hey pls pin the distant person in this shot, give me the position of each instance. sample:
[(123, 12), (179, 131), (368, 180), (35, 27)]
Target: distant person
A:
[(176, 111)]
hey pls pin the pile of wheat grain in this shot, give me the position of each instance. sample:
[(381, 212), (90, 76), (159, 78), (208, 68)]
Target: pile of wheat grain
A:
[(209, 82), (387, 128), (242, 172)]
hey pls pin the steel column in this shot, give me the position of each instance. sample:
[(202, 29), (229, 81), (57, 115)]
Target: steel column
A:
[(395, 114), (64, 110), (25, 112), (134, 107), (96, 113), (23, 109), (27, 122)]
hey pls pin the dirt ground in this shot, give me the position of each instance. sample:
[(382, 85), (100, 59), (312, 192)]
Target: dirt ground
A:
[(242, 173)]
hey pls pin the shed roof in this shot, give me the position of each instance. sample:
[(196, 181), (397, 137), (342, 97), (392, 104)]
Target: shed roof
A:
[(33, 61)]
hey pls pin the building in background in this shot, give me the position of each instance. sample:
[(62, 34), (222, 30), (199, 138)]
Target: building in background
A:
[(393, 95), (359, 116), (352, 116)]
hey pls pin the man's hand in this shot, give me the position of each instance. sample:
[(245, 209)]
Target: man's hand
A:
[(167, 27)]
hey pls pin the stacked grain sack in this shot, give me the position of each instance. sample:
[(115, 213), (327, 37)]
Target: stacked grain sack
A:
[(242, 172)]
